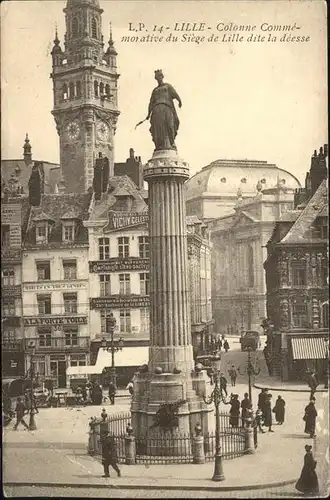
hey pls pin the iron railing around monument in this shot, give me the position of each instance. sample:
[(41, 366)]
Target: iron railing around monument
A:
[(165, 448)]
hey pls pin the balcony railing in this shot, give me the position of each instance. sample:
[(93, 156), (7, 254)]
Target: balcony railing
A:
[(62, 343)]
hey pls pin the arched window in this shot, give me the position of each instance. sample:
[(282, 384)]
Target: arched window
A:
[(65, 91), (74, 26), (101, 89), (71, 90), (107, 90), (104, 248), (96, 89), (94, 28), (250, 267), (78, 89)]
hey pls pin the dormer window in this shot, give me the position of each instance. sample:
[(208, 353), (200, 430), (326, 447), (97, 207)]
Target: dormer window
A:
[(68, 231), (41, 233)]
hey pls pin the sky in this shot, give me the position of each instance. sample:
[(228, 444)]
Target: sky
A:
[(256, 100)]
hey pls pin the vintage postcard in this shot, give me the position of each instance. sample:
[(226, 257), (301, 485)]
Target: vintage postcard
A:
[(164, 249)]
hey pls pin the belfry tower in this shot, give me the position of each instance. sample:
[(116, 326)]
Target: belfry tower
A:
[(85, 94)]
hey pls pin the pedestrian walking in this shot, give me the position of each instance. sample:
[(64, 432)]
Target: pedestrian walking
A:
[(279, 410), (97, 394), (310, 418), (20, 412), (234, 410), (112, 392), (268, 413), (233, 375), (223, 383), (262, 398), (226, 345), (308, 482), (130, 387), (219, 344), (245, 405), (88, 387), (109, 454), (313, 382), (258, 420)]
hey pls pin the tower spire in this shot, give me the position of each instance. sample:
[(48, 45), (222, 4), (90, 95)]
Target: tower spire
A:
[(27, 148)]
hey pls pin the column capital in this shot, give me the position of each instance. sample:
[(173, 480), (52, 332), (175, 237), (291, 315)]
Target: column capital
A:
[(164, 164)]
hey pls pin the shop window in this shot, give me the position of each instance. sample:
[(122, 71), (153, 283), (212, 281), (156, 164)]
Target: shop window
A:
[(144, 247), (105, 288), (144, 320), (44, 304), (41, 233), (70, 269), (71, 335), (299, 275), (78, 360), (144, 283), (70, 302), (44, 337), (68, 231), (8, 307), (300, 315), (125, 321), (105, 313), (104, 248), (124, 284), (43, 270), (123, 247), (8, 277)]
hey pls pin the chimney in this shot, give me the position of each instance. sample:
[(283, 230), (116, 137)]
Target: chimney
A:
[(131, 153)]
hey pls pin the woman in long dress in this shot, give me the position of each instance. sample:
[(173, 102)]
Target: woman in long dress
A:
[(310, 418), (164, 121), (279, 410), (308, 482)]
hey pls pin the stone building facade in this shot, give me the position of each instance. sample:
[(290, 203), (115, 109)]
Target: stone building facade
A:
[(239, 249), (55, 285), (297, 281)]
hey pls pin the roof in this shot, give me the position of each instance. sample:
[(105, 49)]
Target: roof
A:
[(290, 216), (224, 177), (55, 206), (51, 172), (120, 183), (299, 232)]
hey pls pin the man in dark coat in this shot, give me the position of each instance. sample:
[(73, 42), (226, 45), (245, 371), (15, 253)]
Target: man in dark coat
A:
[(112, 392), (223, 383), (20, 411), (226, 345), (262, 398), (97, 396), (245, 405), (279, 410), (109, 454), (233, 375), (268, 413), (310, 418), (234, 410), (308, 481), (312, 383)]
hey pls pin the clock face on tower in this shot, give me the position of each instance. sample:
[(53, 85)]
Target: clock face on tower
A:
[(102, 131), (72, 130)]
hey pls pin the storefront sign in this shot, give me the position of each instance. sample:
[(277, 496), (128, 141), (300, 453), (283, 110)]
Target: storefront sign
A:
[(119, 302), (55, 320), (116, 264), (15, 235), (11, 291), (10, 214), (118, 220), (60, 285)]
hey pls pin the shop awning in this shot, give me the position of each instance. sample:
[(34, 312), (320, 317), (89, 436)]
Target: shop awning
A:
[(84, 370), (129, 356), (308, 348)]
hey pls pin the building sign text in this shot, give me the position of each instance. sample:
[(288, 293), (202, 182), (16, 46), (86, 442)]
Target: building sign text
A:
[(55, 320), (53, 286), (117, 220), (116, 264), (119, 302)]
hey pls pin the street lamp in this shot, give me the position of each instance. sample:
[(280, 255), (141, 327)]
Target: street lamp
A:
[(217, 397), (115, 346), (32, 423), (251, 371)]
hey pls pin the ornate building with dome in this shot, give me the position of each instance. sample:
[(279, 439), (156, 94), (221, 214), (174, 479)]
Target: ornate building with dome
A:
[(240, 200), (213, 192)]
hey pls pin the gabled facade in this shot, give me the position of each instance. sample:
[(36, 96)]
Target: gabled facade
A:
[(55, 285), (297, 283)]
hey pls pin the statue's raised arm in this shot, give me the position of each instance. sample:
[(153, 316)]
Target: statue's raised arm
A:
[(164, 121)]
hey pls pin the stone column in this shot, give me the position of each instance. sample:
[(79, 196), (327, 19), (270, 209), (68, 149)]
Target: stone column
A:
[(170, 342)]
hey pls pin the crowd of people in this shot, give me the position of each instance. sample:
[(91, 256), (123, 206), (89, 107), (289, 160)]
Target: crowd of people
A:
[(90, 393)]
